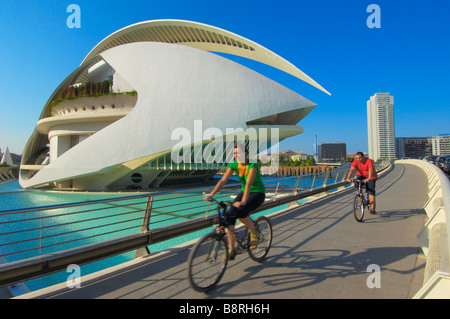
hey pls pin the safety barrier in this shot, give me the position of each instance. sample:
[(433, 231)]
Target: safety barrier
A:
[(433, 237), (35, 241)]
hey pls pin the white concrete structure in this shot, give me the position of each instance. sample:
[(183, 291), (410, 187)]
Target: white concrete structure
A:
[(433, 238), (380, 125), (163, 79), (6, 158)]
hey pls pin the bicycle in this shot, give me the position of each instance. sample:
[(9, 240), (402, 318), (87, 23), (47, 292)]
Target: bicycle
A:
[(208, 259), (361, 201)]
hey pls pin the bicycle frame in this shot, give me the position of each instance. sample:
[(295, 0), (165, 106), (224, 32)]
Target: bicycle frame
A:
[(364, 196), (361, 200), (224, 225), (209, 257)]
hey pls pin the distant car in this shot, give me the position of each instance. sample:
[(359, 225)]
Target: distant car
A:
[(446, 165), (440, 160), (431, 158)]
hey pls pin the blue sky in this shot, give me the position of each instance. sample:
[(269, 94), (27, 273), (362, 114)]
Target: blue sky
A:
[(409, 56)]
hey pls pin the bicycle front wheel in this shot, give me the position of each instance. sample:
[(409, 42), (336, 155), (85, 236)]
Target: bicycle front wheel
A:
[(358, 208), (207, 262), (264, 227)]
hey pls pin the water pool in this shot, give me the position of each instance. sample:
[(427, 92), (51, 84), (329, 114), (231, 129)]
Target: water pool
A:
[(12, 196)]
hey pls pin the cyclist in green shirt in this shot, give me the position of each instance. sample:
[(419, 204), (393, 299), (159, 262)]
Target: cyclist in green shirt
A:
[(251, 196)]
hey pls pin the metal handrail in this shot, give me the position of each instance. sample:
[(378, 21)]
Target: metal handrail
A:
[(144, 234)]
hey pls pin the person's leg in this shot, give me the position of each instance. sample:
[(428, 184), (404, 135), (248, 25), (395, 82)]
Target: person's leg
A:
[(233, 211), (253, 202), (371, 191), (230, 237), (247, 221), (372, 203)]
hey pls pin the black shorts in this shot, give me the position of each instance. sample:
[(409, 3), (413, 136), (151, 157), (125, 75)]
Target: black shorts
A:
[(253, 202), (370, 186)]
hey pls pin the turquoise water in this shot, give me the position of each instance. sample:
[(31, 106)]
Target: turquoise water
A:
[(13, 197)]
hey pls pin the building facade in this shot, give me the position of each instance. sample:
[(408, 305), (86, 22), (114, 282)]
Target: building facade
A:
[(441, 144), (418, 147), (380, 125), (150, 106), (413, 147), (332, 152)]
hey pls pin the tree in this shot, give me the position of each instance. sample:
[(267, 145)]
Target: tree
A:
[(310, 161)]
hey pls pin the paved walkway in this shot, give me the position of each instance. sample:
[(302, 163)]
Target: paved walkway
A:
[(319, 251)]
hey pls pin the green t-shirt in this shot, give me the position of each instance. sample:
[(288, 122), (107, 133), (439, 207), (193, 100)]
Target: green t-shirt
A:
[(258, 185)]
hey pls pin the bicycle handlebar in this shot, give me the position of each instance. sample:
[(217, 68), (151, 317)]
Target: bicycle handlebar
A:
[(358, 180), (223, 215), (222, 204)]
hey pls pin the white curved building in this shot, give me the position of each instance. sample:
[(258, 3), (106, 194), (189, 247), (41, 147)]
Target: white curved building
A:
[(154, 79)]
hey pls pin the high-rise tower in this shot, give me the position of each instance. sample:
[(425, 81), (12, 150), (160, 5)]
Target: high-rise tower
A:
[(381, 130)]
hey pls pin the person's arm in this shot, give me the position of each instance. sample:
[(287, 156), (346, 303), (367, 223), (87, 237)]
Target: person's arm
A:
[(370, 175), (250, 179), (352, 169), (371, 171), (220, 184)]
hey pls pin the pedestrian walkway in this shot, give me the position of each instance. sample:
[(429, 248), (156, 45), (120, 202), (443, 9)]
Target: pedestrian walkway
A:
[(318, 251)]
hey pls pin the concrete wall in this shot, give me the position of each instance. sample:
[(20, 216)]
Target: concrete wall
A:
[(433, 238)]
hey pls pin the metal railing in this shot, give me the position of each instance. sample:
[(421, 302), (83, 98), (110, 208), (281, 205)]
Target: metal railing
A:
[(42, 240)]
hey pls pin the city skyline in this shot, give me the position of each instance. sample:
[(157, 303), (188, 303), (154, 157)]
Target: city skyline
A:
[(330, 41)]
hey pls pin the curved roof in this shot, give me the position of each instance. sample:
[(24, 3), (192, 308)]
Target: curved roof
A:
[(201, 36)]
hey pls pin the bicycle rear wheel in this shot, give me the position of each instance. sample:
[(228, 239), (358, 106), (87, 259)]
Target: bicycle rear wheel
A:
[(207, 262), (264, 227), (358, 208)]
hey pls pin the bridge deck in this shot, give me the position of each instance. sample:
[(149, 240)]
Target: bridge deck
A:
[(319, 251)]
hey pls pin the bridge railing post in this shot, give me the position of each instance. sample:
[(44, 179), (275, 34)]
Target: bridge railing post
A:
[(144, 251), (314, 179), (296, 186), (336, 178), (325, 180)]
